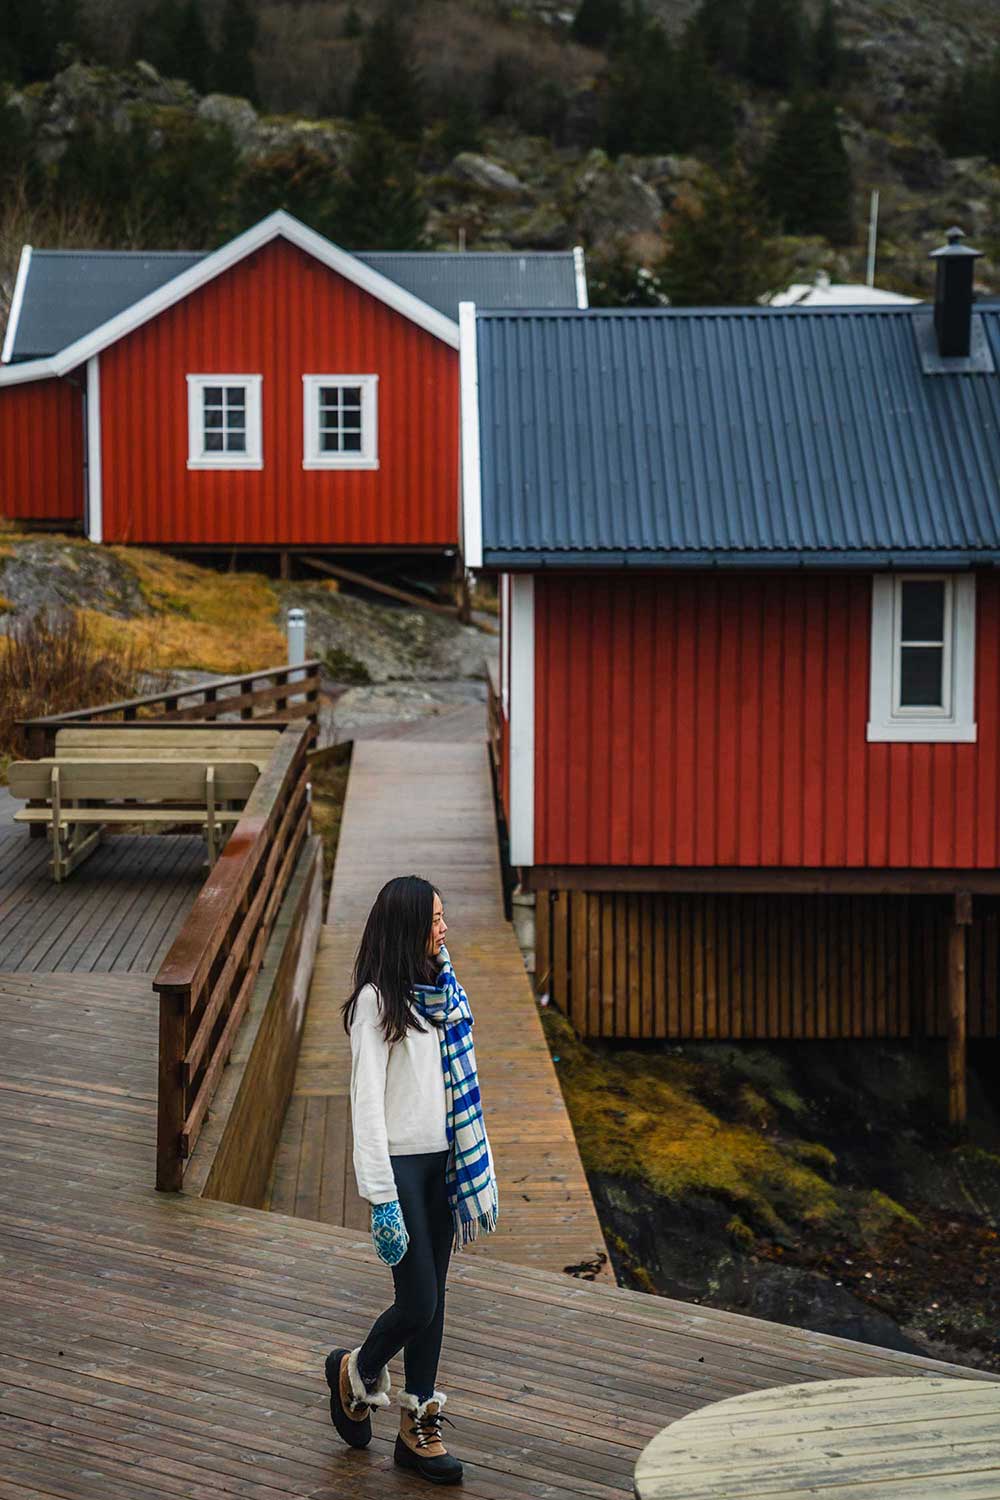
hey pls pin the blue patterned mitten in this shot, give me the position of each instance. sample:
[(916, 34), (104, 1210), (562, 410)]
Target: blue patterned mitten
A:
[(389, 1232)]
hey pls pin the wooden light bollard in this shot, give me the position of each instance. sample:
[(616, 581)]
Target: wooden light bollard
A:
[(957, 1007)]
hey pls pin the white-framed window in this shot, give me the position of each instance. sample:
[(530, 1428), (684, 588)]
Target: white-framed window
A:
[(923, 657), (340, 423), (224, 422)]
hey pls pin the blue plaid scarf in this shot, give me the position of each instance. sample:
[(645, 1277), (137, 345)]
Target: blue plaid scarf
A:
[(471, 1183)]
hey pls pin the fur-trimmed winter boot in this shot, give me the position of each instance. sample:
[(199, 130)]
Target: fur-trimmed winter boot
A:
[(350, 1401), (419, 1446)]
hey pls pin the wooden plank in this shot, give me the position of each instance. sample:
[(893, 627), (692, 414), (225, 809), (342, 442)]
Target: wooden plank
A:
[(418, 601)]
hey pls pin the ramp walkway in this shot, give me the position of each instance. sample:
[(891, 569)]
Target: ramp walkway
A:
[(427, 809), (161, 1345)]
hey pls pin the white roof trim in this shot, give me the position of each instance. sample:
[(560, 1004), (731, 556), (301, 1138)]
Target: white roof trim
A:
[(29, 369), (580, 271), (472, 500), (15, 305), (277, 225)]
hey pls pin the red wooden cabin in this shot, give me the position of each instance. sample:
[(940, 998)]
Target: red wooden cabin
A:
[(749, 707), (276, 393)]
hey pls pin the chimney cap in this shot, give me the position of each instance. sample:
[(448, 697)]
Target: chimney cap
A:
[(954, 247)]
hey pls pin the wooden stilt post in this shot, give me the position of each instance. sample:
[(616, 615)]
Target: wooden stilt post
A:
[(957, 944)]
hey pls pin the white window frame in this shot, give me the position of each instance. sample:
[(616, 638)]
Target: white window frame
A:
[(198, 457), (312, 455), (955, 721)]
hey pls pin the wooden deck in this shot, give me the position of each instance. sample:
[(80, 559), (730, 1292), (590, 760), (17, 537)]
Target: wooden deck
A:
[(119, 912), (157, 1346), (428, 808)]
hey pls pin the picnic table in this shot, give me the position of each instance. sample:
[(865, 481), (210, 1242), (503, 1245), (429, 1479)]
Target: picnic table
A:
[(903, 1438)]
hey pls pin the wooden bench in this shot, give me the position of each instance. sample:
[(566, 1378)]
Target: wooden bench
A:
[(97, 743), (92, 791)]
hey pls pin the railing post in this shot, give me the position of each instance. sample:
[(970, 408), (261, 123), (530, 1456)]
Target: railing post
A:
[(171, 1094), (296, 631)]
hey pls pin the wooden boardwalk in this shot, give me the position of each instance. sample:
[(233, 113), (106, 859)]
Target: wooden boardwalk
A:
[(118, 912), (156, 1346), (428, 808)]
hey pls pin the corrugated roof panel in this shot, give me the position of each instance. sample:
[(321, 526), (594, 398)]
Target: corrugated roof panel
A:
[(696, 435), (537, 278), (68, 293)]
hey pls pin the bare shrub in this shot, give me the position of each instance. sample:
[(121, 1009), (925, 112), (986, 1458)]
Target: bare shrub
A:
[(50, 663), (25, 220)]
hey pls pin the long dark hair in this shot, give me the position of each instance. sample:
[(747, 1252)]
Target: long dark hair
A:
[(393, 954)]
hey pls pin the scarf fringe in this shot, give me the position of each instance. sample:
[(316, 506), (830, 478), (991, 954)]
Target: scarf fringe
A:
[(467, 1230)]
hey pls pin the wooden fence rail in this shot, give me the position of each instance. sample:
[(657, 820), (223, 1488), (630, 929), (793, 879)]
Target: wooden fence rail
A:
[(206, 979), (254, 695)]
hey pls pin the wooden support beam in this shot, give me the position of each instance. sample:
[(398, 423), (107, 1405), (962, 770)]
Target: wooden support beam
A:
[(350, 576), (957, 1008)]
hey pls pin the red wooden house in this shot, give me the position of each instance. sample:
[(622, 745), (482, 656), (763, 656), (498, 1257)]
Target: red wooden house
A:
[(277, 393), (750, 687)]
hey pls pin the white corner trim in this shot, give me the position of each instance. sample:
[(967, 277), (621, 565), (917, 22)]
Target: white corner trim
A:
[(472, 497), (522, 719), (958, 724), (277, 225), (367, 457), (253, 458), (20, 282), (505, 645), (580, 268), (95, 482)]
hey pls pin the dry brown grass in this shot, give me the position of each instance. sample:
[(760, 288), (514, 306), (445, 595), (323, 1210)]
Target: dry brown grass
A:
[(50, 664), (219, 622)]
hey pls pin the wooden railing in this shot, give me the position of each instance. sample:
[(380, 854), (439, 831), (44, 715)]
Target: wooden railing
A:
[(281, 693), (494, 715), (206, 979)]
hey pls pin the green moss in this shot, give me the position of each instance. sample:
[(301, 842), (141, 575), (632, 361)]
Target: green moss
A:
[(741, 1234), (878, 1214), (343, 667), (639, 1115)]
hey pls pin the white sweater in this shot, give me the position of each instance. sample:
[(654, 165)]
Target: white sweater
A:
[(398, 1103)]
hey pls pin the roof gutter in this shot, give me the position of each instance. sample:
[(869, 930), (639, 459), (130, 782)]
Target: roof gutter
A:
[(513, 561)]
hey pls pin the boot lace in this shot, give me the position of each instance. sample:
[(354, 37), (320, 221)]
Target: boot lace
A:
[(428, 1428)]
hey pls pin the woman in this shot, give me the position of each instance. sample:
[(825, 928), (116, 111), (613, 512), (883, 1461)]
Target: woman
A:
[(421, 1157)]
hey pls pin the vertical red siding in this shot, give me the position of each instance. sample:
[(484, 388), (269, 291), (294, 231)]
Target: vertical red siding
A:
[(281, 315), (41, 450), (721, 720)]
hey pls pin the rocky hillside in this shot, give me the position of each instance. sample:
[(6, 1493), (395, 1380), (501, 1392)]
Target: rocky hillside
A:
[(528, 186)]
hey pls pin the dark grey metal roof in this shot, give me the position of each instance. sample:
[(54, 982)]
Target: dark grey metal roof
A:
[(707, 436), (68, 293), (539, 278)]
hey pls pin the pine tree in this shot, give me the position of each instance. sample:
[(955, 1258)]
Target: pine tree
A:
[(722, 251), (774, 43), (36, 36), (379, 205), (386, 86), (195, 60), (156, 36), (295, 178), (15, 143), (967, 118), (597, 21), (234, 70), (806, 175), (462, 130), (641, 108), (720, 27), (352, 27), (826, 61), (702, 99)]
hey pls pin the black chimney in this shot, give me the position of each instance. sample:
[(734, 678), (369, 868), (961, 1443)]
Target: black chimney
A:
[(953, 295)]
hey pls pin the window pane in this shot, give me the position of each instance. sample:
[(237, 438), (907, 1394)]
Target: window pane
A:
[(330, 442), (236, 395), (213, 416), (921, 677), (236, 421), (237, 442), (329, 395), (923, 610), (213, 442), (352, 395), (352, 442), (352, 421), (213, 395)]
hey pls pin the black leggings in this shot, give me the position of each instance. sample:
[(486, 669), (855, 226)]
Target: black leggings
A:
[(415, 1321)]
